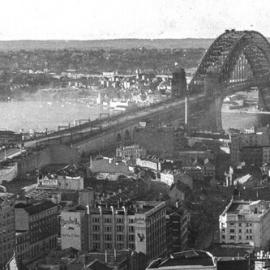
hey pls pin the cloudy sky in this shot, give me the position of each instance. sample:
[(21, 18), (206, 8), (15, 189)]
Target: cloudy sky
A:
[(105, 19)]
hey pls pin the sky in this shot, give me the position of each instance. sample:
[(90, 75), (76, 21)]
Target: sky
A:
[(110, 19)]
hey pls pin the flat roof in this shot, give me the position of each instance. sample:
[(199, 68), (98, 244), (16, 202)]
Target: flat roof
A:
[(37, 207), (235, 207), (188, 258)]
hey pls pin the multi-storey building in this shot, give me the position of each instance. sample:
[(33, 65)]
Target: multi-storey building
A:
[(252, 140), (177, 222), (245, 222), (74, 231), (7, 227), (140, 227), (22, 246), (36, 227)]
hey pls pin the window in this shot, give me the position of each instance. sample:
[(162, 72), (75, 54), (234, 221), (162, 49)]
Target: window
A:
[(108, 246), (107, 229), (95, 220), (240, 224), (108, 237), (96, 246), (120, 237), (107, 220), (131, 246), (231, 230), (95, 228), (119, 246), (240, 231), (231, 237), (96, 237), (131, 229), (119, 228), (131, 237), (119, 220)]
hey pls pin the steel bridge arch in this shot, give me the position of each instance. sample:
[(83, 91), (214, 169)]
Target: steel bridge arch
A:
[(221, 57)]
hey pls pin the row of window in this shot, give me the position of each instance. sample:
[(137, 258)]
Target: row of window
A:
[(119, 246), (109, 220), (119, 228), (233, 237), (239, 231), (239, 224), (108, 237)]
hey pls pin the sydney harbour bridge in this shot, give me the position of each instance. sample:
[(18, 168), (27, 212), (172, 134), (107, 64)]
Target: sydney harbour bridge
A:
[(236, 60)]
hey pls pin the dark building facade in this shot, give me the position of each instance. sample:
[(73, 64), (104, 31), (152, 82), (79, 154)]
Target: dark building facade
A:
[(36, 229), (179, 83), (7, 227)]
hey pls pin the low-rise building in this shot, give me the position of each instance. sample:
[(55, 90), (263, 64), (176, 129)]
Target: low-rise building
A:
[(188, 157), (130, 153), (149, 163), (252, 155), (109, 168), (61, 182), (179, 192), (170, 177), (196, 172), (246, 222), (209, 169)]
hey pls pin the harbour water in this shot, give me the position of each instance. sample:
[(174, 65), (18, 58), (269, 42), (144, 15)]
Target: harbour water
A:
[(39, 115)]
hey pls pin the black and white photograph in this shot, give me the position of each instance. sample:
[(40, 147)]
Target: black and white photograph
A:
[(135, 135)]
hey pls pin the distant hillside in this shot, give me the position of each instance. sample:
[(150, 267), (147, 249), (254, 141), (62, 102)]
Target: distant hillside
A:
[(105, 44)]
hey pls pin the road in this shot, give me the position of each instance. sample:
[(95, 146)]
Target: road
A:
[(10, 153), (114, 123)]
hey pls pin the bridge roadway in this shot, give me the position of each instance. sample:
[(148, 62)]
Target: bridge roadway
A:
[(120, 122)]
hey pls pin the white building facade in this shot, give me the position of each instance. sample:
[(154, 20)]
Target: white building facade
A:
[(245, 222)]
